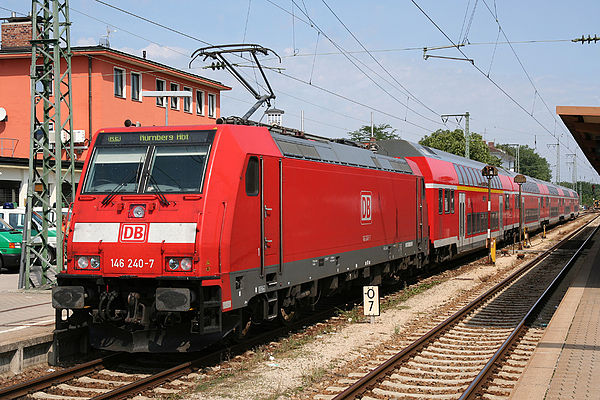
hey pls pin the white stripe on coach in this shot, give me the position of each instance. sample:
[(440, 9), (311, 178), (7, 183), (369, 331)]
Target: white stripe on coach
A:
[(182, 232), (108, 232)]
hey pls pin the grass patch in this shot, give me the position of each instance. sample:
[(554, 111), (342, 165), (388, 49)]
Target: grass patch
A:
[(407, 293)]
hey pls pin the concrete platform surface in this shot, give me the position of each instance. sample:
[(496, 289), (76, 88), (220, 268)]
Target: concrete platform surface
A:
[(566, 362), (26, 325)]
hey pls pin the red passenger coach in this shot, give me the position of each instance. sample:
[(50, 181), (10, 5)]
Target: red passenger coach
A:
[(182, 235), (458, 205)]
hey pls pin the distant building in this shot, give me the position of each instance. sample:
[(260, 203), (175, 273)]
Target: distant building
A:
[(508, 161), (106, 91)]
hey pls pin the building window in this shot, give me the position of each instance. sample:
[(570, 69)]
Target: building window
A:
[(174, 99), (199, 102), (160, 86), (212, 105), (136, 86), (119, 80), (39, 70), (187, 101)]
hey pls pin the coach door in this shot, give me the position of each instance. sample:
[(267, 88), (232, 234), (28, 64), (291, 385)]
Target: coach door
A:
[(271, 217), (419, 193), (461, 220), (500, 214)]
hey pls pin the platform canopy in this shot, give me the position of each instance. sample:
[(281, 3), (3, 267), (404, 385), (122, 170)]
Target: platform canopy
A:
[(584, 125)]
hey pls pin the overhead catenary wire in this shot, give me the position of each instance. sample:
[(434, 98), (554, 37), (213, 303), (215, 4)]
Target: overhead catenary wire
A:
[(536, 91), (354, 62), (519, 105), (378, 62), (151, 71), (281, 73), (346, 53)]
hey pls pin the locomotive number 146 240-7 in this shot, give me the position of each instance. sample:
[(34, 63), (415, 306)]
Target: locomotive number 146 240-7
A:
[(131, 263)]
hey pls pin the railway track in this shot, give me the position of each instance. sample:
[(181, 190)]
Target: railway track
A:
[(104, 378), (480, 349), (119, 376)]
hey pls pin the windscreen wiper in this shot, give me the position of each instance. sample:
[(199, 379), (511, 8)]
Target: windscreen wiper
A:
[(159, 193), (106, 200)]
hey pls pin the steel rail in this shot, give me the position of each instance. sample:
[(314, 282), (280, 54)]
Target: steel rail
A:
[(44, 382), (152, 381), (531, 314), (366, 382)]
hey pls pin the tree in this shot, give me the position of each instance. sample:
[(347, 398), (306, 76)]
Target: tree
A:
[(381, 132), (530, 163), (454, 142)]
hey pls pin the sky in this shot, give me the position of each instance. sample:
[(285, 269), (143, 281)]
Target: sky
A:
[(343, 60)]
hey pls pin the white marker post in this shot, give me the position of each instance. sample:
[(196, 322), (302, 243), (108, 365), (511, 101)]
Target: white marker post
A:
[(371, 301)]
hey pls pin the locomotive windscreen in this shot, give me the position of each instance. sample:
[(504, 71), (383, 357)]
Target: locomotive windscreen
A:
[(148, 162)]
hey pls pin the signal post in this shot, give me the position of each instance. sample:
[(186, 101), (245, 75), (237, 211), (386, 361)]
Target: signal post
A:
[(520, 180), (489, 171)]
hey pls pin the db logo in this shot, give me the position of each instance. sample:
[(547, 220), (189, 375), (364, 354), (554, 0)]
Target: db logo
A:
[(366, 210), (133, 233)]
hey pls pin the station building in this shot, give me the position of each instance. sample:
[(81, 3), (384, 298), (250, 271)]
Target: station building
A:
[(106, 91)]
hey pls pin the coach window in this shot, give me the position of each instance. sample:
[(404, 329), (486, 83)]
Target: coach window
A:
[(252, 177), (452, 201), (441, 201), (447, 201)]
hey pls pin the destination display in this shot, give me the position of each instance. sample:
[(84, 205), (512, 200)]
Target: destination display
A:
[(164, 137)]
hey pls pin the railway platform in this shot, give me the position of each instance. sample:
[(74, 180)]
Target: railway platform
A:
[(26, 325), (566, 362)]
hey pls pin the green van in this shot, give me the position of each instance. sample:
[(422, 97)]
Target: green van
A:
[(10, 246)]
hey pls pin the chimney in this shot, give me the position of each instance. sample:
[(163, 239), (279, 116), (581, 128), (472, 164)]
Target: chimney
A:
[(16, 33)]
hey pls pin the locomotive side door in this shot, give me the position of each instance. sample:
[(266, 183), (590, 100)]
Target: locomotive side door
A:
[(271, 217), (461, 220)]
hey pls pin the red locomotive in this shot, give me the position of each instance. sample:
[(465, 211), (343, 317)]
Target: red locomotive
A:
[(180, 236)]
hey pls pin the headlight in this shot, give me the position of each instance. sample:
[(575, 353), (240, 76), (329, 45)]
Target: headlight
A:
[(179, 264), (83, 262), (173, 263), (138, 211), (95, 262), (186, 264)]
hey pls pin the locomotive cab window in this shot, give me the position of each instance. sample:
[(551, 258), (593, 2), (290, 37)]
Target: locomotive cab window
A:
[(171, 166), (148, 162), (112, 167), (252, 172)]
